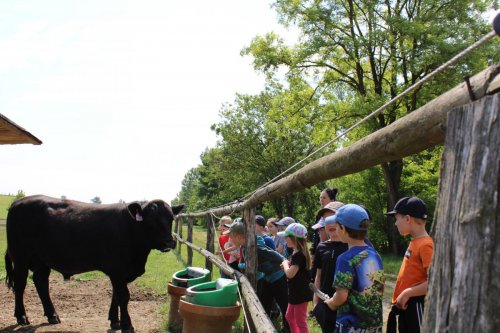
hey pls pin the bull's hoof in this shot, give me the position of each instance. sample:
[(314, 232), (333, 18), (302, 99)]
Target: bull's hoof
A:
[(23, 321), (116, 326), (130, 330), (54, 319)]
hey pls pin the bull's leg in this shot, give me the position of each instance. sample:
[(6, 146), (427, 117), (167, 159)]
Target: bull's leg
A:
[(41, 280), (20, 278), (122, 297), (113, 313)]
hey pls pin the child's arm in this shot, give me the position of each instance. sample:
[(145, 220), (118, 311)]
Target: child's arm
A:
[(279, 248), (290, 271), (339, 298), (231, 248), (317, 283), (418, 290)]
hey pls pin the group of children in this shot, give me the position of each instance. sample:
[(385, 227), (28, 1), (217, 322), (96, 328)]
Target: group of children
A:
[(346, 267)]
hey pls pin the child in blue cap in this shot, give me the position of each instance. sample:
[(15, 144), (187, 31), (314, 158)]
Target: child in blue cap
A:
[(297, 271), (359, 279)]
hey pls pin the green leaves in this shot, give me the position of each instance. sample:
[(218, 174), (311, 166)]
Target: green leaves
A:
[(352, 56)]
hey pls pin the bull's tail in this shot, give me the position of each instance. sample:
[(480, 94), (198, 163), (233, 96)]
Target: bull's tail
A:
[(9, 278)]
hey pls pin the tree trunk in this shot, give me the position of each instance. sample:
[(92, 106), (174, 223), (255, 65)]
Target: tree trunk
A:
[(278, 207), (465, 275), (290, 204), (392, 174)]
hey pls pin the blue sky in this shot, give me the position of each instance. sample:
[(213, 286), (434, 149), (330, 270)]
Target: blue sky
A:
[(122, 93)]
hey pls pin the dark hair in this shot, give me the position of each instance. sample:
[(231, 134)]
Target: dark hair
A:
[(332, 193), (358, 234), (367, 212)]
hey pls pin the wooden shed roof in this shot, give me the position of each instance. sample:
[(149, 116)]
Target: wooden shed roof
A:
[(11, 133)]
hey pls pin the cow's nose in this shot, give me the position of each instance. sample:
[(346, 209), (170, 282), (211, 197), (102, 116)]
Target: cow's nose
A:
[(169, 246)]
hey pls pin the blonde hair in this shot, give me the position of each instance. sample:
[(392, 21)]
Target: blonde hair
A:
[(272, 220), (225, 220), (301, 246)]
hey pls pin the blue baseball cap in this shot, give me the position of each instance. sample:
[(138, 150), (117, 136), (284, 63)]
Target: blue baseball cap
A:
[(351, 216), (330, 220)]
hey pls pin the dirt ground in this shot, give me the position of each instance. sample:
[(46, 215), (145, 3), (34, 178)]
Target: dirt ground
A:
[(82, 307)]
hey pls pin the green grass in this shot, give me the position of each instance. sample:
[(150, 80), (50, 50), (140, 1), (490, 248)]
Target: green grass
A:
[(392, 264), (5, 201)]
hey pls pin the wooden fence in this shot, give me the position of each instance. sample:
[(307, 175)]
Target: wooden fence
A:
[(421, 129)]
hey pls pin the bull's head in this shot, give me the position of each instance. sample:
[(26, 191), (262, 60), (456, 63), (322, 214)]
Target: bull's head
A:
[(156, 217)]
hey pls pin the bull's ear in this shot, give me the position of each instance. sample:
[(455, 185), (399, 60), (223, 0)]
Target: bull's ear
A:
[(135, 210), (177, 209)]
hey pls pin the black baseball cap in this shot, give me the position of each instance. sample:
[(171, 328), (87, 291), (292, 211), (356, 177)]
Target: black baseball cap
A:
[(412, 206)]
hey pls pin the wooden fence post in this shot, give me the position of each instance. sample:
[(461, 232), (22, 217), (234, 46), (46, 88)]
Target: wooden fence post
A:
[(465, 275), (251, 249), (210, 241), (179, 232), (251, 253), (190, 240), (176, 229)]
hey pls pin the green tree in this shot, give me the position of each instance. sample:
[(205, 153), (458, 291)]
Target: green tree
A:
[(360, 53), (20, 194), (96, 200)]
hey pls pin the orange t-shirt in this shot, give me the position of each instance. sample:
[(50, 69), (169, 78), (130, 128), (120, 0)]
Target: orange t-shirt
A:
[(413, 270)]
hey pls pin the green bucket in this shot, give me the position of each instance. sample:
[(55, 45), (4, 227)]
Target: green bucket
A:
[(190, 276), (219, 293)]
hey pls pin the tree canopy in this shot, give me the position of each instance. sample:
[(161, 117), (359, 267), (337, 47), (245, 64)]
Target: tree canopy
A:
[(350, 58)]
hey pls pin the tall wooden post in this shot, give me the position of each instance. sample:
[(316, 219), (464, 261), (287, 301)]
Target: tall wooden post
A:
[(176, 228), (251, 249), (251, 252), (465, 275), (180, 235), (210, 241), (190, 240)]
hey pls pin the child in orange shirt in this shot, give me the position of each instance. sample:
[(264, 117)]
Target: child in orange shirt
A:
[(412, 281)]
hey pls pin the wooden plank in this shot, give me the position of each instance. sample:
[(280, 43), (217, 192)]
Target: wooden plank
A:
[(11, 133), (465, 275), (210, 241), (190, 240), (422, 129)]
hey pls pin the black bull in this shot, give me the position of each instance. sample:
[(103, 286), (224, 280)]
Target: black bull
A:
[(72, 237)]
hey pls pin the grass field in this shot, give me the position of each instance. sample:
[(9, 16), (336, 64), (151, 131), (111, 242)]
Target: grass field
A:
[(5, 201), (161, 266)]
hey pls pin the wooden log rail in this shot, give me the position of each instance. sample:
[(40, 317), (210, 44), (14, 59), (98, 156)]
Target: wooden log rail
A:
[(261, 322), (421, 129)]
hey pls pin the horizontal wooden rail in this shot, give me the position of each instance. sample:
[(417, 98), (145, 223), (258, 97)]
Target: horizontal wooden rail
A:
[(421, 129), (261, 322)]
